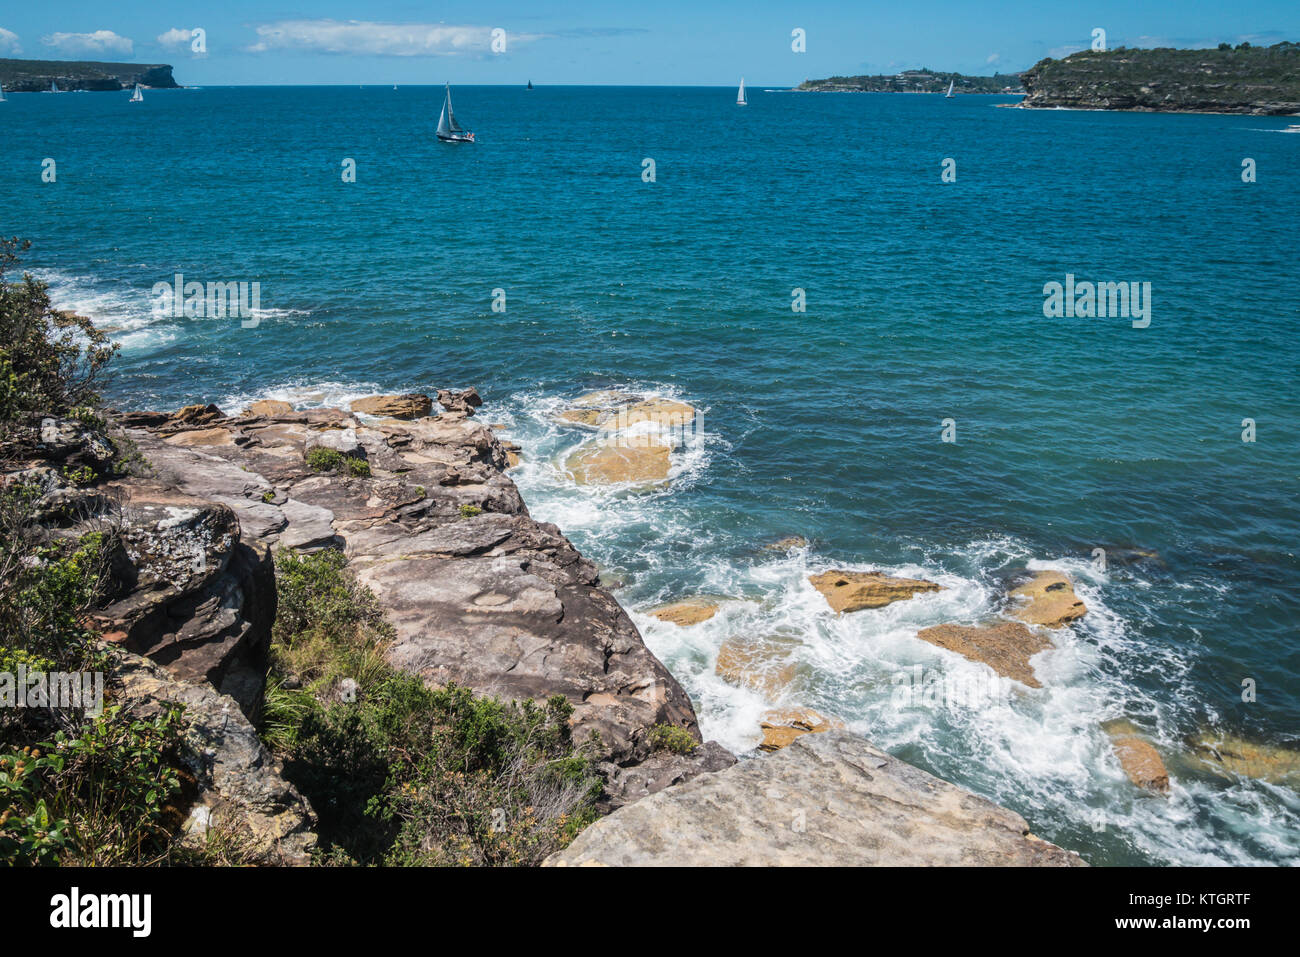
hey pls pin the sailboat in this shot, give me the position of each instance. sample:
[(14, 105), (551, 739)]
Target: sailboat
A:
[(449, 131), (740, 94), (948, 95), (530, 84), (54, 87), (137, 96), (2, 93)]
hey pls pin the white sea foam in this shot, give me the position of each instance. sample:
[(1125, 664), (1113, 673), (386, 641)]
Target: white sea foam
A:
[(302, 394), (1041, 750), (126, 313)]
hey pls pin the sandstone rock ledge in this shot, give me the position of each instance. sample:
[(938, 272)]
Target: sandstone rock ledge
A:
[(829, 799), (478, 593)]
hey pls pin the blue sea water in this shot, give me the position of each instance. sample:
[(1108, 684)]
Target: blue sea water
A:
[(924, 303)]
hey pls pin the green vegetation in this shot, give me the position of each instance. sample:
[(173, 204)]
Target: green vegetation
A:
[(403, 774), (469, 511), (75, 787), (321, 459), (51, 362), (101, 795), (916, 81), (1241, 79), (669, 737)]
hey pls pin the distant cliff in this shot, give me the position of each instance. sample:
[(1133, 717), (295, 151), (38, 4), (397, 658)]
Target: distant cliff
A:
[(35, 76), (915, 81), (1242, 79)]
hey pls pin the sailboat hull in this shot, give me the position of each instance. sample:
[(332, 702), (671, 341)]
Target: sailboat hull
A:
[(456, 137)]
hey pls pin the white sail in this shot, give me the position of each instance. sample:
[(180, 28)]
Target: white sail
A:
[(740, 94), (138, 95), (443, 128), (950, 83), (2, 92)]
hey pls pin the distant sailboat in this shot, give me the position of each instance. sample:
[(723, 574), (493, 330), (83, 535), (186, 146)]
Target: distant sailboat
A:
[(530, 84), (449, 131), (948, 95), (54, 87), (137, 96), (394, 86), (2, 93), (740, 94)]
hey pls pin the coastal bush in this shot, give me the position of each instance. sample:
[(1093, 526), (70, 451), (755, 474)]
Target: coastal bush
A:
[(400, 773), (100, 795), (321, 459), (469, 511), (51, 362), (669, 737)]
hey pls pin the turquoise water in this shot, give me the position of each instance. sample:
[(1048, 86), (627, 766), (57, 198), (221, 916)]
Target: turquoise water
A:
[(924, 302)]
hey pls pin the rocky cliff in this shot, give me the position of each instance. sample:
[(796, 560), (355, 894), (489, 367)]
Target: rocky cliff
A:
[(1244, 79), (35, 76), (479, 594)]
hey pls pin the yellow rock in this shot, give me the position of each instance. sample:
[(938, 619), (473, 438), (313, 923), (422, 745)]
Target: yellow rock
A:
[(581, 416), (612, 463), (853, 591), (1048, 599), (758, 664), (780, 727), (1004, 646), (513, 458), (1226, 753), (268, 407), (412, 405), (664, 413), (1139, 759), (683, 613), (202, 437)]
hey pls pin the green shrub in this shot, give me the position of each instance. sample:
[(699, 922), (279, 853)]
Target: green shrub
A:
[(321, 459), (101, 795), (51, 362), (469, 511), (406, 774), (669, 737)]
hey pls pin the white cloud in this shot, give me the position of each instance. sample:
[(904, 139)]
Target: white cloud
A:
[(175, 38), (363, 38), (993, 58), (99, 43), (9, 42), (1060, 53)]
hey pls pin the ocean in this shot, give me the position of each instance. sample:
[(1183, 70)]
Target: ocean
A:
[(924, 302)]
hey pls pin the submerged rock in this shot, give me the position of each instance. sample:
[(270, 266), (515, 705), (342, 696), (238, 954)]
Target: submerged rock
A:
[(614, 463), (1229, 754), (828, 799), (788, 544), (1139, 759), (1047, 599), (759, 664), (853, 591), (1004, 646)]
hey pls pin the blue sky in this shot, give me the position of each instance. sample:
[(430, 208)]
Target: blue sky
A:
[(687, 42)]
